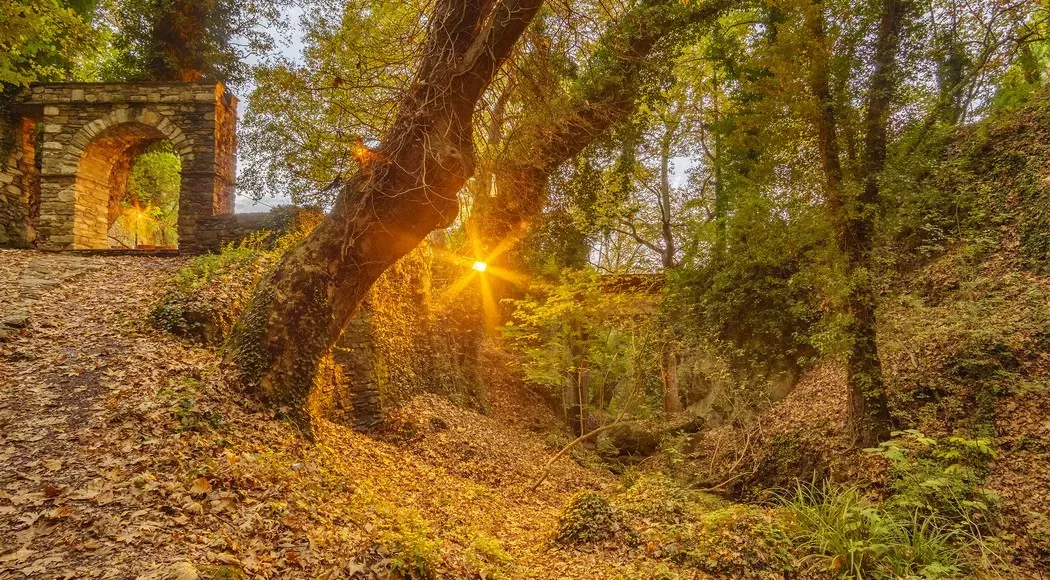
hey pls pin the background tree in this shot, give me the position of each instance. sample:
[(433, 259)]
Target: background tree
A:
[(42, 40), (307, 117), (188, 40)]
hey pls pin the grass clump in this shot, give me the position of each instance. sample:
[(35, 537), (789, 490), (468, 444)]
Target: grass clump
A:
[(222, 572), (486, 557), (411, 546), (183, 395), (842, 532), (587, 518)]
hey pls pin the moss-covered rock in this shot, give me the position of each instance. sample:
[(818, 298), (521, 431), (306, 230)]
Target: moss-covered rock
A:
[(587, 518)]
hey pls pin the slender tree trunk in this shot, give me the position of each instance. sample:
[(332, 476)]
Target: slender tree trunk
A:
[(721, 202), (404, 189), (855, 219), (666, 232), (868, 402), (579, 380), (669, 368)]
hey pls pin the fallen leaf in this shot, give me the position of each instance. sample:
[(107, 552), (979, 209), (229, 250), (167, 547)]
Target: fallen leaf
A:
[(200, 486)]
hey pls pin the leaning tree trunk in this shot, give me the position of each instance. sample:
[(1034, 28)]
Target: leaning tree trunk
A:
[(404, 189)]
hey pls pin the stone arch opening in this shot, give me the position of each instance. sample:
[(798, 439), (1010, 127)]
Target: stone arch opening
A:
[(104, 152), (102, 186), (74, 150)]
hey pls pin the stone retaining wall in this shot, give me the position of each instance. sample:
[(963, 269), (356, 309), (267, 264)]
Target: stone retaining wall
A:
[(217, 231)]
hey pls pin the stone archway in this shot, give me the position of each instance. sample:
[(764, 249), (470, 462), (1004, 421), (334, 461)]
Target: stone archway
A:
[(103, 166), (89, 134)]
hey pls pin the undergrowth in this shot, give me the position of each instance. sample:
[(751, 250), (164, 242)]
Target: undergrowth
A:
[(937, 521), (839, 531), (204, 298)]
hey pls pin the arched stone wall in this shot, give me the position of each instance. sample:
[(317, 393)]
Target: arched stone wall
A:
[(91, 133), (103, 168)]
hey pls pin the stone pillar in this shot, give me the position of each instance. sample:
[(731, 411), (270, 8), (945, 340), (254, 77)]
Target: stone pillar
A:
[(354, 354), (208, 181)]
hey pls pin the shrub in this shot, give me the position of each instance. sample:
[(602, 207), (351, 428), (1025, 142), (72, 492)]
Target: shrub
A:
[(586, 518), (763, 301), (574, 327), (204, 298), (941, 479)]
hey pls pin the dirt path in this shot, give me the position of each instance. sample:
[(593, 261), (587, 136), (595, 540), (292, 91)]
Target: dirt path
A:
[(72, 344)]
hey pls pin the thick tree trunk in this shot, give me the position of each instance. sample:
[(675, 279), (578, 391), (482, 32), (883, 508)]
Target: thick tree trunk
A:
[(404, 189)]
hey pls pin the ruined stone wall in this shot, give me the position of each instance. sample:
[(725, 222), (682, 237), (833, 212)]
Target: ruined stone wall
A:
[(408, 338), (92, 131), (213, 233), (19, 179)]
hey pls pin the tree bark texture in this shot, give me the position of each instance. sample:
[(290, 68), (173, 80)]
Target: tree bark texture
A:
[(404, 189)]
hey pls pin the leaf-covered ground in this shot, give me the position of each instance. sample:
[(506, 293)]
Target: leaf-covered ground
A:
[(123, 455)]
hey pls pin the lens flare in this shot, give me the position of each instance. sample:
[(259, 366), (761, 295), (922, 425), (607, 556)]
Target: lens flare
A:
[(480, 266)]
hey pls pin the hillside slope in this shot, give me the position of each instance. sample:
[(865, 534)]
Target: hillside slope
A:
[(964, 337)]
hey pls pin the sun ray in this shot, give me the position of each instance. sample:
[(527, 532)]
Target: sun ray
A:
[(478, 266), (488, 303), (508, 275), (458, 286)]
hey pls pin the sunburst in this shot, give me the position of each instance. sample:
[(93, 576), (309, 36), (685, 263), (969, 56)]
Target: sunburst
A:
[(478, 268)]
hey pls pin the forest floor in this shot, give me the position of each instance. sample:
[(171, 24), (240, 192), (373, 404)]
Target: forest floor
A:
[(123, 455)]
